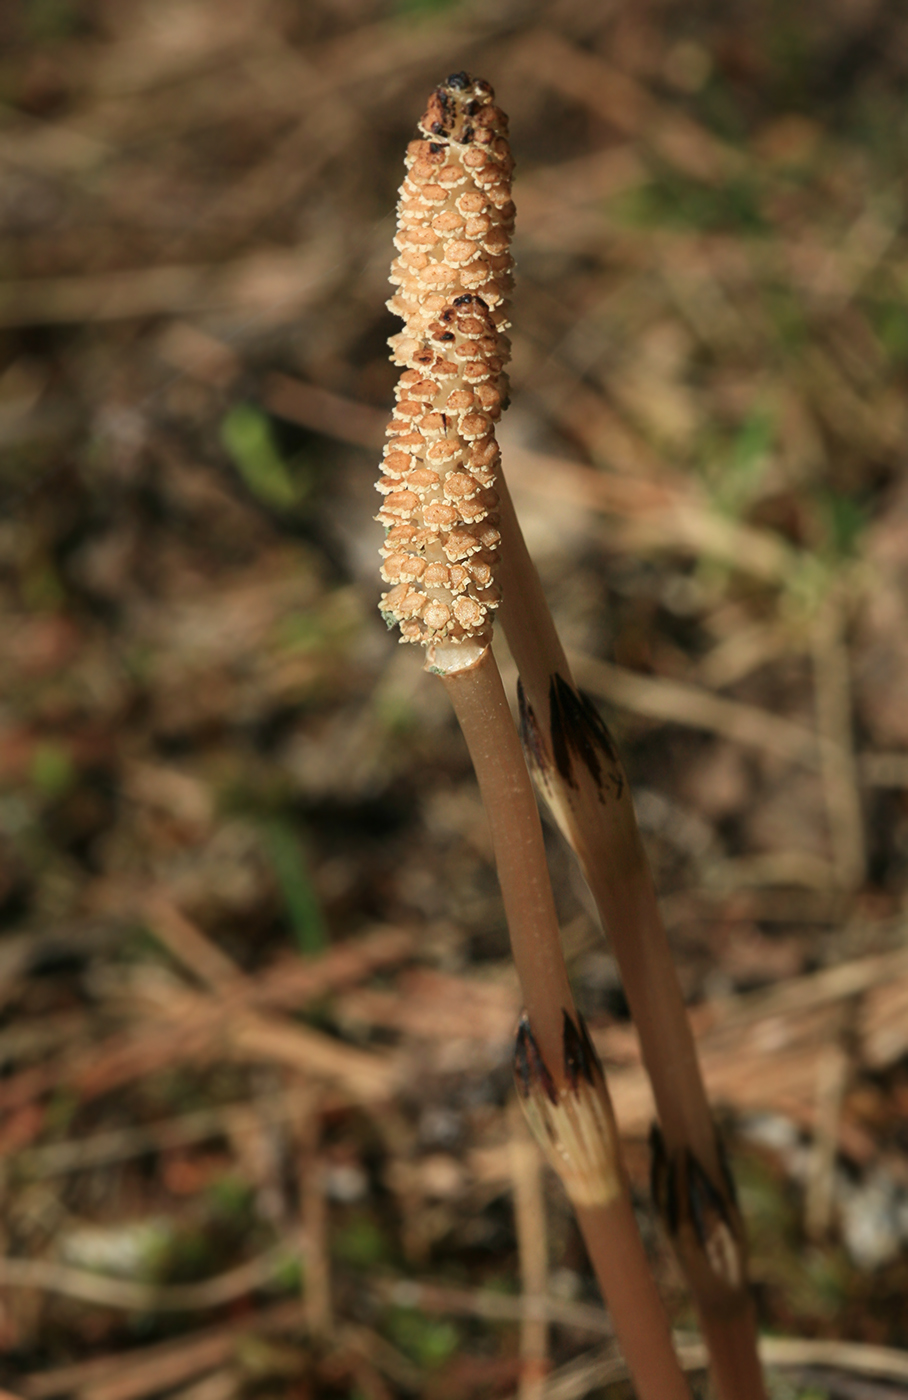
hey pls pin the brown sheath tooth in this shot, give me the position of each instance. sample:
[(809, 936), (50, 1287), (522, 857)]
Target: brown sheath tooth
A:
[(573, 1121), (539, 760), (728, 1177), (579, 732), (663, 1181), (576, 732), (529, 1066), (579, 1056), (697, 1213), (713, 1225), (530, 733)]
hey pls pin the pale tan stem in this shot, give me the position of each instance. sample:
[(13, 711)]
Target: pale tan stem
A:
[(610, 1230), (631, 914), (482, 709), (733, 1357), (619, 1260), (535, 645)]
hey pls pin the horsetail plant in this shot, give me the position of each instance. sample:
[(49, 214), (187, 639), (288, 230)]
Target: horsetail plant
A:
[(441, 556), (577, 769)]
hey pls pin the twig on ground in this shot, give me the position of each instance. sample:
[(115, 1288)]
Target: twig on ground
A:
[(604, 1367), (628, 106), (841, 778), (220, 1385), (532, 1246), (270, 283), (143, 1370), (290, 982), (483, 1302), (323, 412), (677, 702), (195, 1027), (314, 1214), (126, 1295), (166, 1135), (190, 947), (832, 1081), (744, 651)]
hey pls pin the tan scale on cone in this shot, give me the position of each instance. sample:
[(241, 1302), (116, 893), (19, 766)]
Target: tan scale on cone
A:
[(455, 215)]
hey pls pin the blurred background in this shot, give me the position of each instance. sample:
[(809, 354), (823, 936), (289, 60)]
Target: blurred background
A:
[(256, 1000)]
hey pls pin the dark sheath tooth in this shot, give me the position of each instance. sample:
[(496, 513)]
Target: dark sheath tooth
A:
[(530, 1068)]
